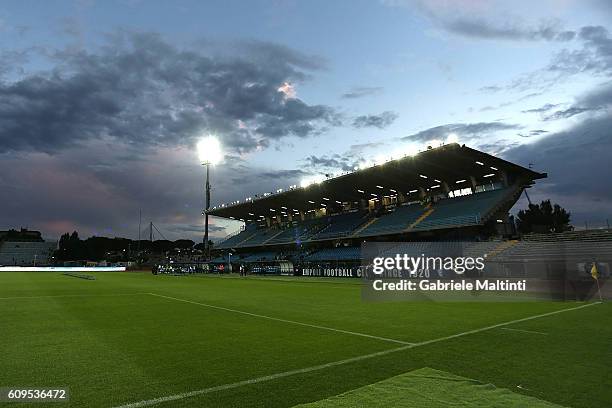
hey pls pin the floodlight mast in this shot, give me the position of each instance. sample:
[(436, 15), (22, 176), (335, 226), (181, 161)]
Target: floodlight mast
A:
[(206, 246), (209, 151)]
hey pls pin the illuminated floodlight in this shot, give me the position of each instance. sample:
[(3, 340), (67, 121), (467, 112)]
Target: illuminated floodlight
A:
[(435, 143), (364, 165), (308, 181), (452, 138), (405, 151), (380, 159), (209, 150)]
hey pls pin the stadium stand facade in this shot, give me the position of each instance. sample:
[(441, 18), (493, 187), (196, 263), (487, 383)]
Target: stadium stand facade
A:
[(25, 248), (447, 193)]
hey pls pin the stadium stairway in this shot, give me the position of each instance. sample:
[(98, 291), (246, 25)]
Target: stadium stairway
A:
[(503, 246), (240, 243), (462, 211), (341, 225), (273, 236), (427, 213), (364, 227), (393, 222)]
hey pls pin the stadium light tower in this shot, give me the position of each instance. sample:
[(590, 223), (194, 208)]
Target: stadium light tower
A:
[(209, 152)]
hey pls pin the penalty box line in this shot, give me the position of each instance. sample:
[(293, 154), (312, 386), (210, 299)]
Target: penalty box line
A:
[(224, 387), (277, 319)]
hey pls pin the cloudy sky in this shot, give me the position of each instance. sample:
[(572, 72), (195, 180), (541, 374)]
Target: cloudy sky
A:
[(102, 102)]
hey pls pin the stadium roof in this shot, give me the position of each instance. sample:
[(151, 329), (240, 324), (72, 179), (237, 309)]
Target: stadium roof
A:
[(452, 163)]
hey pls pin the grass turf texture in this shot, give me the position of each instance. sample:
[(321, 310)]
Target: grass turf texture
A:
[(430, 388), (113, 343)]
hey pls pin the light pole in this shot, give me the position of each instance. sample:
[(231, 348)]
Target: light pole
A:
[(209, 152)]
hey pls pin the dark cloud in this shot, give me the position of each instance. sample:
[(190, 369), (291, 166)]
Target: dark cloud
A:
[(543, 108), (87, 189), (465, 131), (357, 149), (380, 121), (577, 164), (334, 162), (599, 97), (576, 160), (497, 147), (482, 29), (285, 175), (453, 18), (536, 132), (595, 56), (568, 113), (594, 101), (141, 90), (195, 231), (362, 91)]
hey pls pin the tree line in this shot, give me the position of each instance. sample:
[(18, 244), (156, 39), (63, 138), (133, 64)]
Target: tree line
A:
[(73, 248)]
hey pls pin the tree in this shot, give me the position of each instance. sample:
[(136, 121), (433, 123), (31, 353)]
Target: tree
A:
[(543, 217)]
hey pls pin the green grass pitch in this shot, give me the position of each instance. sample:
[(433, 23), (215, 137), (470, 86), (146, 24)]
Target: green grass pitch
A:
[(213, 341)]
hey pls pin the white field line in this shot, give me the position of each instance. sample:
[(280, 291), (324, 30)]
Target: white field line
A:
[(223, 387), (315, 326), (495, 326), (524, 331), (76, 295)]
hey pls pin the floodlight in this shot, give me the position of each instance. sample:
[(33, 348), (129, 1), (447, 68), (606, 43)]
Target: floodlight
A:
[(307, 181), (209, 150), (452, 138)]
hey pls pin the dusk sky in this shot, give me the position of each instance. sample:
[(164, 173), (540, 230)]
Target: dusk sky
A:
[(103, 102)]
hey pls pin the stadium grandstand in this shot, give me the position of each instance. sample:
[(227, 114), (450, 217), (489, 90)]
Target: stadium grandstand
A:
[(25, 248), (448, 193)]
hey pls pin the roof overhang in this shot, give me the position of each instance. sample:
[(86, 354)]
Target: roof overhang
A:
[(449, 164)]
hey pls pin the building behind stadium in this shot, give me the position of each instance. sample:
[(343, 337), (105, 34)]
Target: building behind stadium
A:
[(25, 248)]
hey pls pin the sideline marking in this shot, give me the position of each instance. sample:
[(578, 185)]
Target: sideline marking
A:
[(495, 326), (76, 295), (224, 387), (524, 331), (277, 319)]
